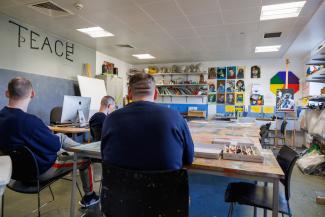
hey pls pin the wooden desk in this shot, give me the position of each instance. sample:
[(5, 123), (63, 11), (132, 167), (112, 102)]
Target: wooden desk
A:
[(69, 129), (269, 171)]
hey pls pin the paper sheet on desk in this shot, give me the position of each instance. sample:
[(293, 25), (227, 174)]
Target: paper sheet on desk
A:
[(208, 151)]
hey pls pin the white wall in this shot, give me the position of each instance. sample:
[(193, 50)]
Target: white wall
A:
[(123, 67), (269, 67), (39, 61)]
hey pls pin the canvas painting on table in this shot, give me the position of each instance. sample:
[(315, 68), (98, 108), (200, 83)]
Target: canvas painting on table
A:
[(285, 100)]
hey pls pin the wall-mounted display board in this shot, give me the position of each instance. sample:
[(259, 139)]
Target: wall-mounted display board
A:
[(230, 88), (278, 81)]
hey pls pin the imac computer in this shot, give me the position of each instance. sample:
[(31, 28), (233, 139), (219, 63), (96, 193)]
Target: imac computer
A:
[(75, 110)]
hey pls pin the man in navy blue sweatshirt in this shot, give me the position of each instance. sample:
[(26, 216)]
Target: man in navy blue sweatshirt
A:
[(144, 135), (18, 128)]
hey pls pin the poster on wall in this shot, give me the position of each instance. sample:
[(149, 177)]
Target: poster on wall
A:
[(212, 74), (241, 72), (240, 86), (212, 98), (239, 99), (221, 86), (256, 99), (231, 72), (285, 100), (255, 72), (221, 98), (221, 73), (230, 99), (212, 86), (230, 86), (278, 81)]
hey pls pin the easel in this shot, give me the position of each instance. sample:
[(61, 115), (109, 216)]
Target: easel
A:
[(285, 118)]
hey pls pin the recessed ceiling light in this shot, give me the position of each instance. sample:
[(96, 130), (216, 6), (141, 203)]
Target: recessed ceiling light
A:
[(144, 56), (279, 11), (95, 32), (263, 49)]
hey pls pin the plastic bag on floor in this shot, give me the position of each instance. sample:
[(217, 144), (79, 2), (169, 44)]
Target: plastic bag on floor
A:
[(311, 162)]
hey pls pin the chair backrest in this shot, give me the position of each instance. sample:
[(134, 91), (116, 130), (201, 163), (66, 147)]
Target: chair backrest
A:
[(55, 116), (283, 126), (24, 164), (131, 193), (287, 159), (96, 133)]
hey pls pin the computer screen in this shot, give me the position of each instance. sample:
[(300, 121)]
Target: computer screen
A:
[(71, 106)]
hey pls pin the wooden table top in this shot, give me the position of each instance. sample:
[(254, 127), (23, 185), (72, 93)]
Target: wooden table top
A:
[(268, 169), (69, 129)]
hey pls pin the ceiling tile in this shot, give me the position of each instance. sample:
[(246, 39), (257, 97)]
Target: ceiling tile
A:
[(211, 30), (174, 22), (209, 19), (143, 2), (195, 7), (6, 3), (162, 9), (236, 4), (181, 33), (241, 15)]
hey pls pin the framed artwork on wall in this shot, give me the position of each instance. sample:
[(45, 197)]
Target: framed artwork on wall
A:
[(230, 99), (231, 72), (241, 72), (212, 74), (255, 71), (221, 73), (240, 86)]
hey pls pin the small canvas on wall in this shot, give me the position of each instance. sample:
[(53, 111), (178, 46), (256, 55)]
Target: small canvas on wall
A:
[(221, 86), (240, 86), (212, 98), (212, 86), (255, 72), (285, 100), (221, 98), (230, 86), (231, 72), (257, 99), (212, 74), (239, 98), (221, 73), (230, 99), (241, 72)]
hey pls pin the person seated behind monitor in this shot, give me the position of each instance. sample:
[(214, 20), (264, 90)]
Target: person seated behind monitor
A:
[(144, 135), (18, 128), (107, 106)]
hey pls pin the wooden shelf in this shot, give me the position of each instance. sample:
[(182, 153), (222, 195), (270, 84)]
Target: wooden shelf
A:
[(167, 85)]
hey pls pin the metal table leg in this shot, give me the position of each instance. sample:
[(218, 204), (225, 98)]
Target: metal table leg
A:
[(74, 183), (275, 198)]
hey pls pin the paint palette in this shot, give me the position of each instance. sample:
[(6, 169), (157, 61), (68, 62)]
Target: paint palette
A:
[(242, 152)]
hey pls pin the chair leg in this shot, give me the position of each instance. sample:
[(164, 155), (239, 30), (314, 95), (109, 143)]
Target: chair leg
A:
[(255, 211), (39, 203), (290, 214), (51, 193), (2, 205), (79, 190)]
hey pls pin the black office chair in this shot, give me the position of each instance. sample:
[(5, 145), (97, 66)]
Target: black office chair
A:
[(95, 132), (55, 115), (262, 196), (25, 175), (130, 193), (280, 135)]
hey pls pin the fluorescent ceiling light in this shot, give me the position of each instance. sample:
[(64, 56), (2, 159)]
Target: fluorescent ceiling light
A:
[(263, 49), (95, 32), (279, 11), (144, 56)]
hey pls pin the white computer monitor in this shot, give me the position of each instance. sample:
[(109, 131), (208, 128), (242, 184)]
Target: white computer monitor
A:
[(75, 109)]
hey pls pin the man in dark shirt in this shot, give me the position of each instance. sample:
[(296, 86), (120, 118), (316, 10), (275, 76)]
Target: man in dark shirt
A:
[(144, 135), (18, 128), (107, 106)]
